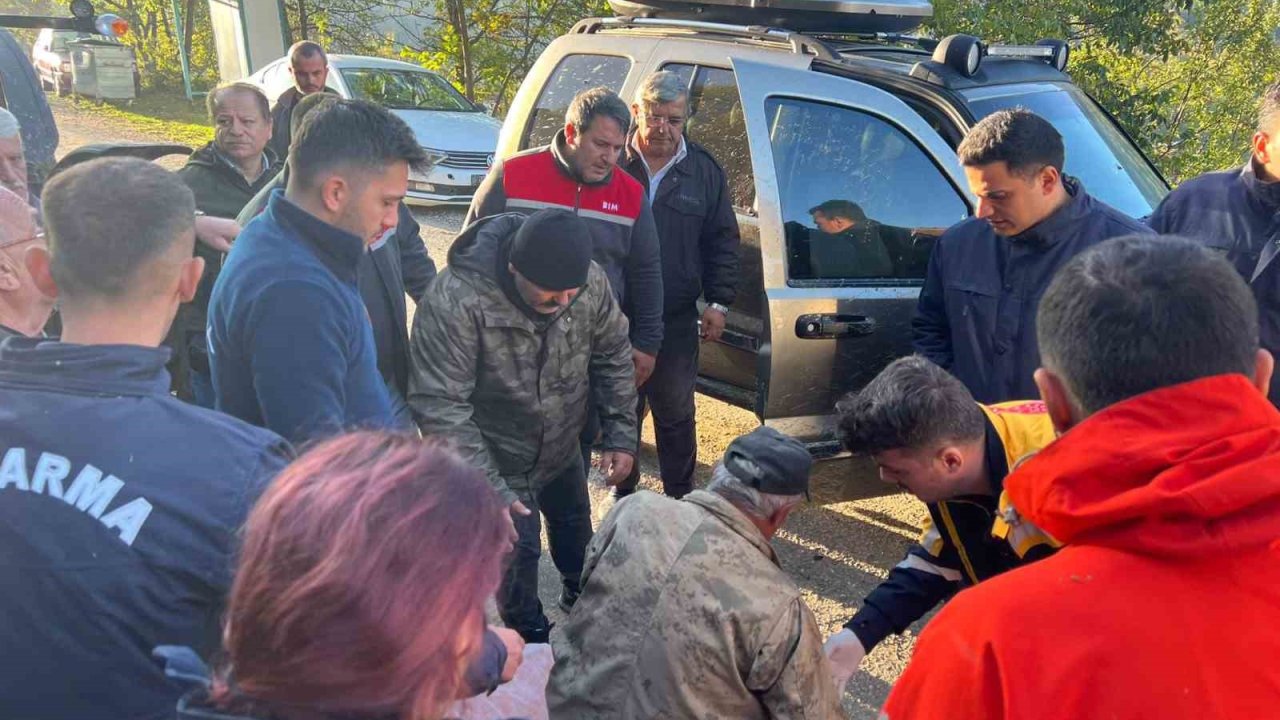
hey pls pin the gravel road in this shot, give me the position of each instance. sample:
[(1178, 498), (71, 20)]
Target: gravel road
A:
[(837, 548)]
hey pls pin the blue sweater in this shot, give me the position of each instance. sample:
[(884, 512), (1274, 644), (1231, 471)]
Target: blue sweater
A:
[(290, 346)]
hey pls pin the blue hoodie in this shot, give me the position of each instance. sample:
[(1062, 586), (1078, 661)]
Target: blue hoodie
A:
[(290, 344), (119, 509)]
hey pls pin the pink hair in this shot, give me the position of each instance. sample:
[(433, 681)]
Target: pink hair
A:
[(362, 580)]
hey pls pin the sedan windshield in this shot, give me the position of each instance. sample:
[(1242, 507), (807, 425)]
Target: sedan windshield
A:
[(405, 89), (1098, 153)]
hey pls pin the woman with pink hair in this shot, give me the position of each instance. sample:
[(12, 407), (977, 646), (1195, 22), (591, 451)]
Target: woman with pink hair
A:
[(361, 586)]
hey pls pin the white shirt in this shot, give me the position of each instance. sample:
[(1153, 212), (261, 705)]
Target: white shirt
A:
[(655, 179)]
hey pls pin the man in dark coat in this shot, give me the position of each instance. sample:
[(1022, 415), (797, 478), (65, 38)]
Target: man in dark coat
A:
[(1237, 212), (396, 266), (698, 235), (976, 315), (119, 504), (310, 69), (223, 175)]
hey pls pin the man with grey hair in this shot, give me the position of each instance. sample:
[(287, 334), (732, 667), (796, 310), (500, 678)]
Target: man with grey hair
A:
[(1234, 211), (23, 308), (223, 175), (13, 161), (685, 612), (698, 234), (576, 172)]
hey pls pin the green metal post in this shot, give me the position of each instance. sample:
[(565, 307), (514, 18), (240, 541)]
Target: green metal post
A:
[(179, 23)]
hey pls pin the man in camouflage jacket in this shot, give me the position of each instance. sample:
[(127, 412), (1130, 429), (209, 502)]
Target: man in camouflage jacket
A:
[(685, 612), (506, 344)]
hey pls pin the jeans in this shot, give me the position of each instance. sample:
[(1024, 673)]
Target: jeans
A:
[(567, 507), (669, 396)]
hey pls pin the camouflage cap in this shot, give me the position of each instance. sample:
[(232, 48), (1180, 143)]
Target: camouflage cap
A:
[(770, 462)]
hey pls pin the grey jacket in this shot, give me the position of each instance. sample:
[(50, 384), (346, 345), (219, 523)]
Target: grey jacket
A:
[(510, 387)]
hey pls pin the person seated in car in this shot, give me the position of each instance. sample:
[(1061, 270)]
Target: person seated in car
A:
[(847, 244)]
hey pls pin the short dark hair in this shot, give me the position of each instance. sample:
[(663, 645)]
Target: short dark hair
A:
[(912, 404), (1019, 138), (846, 209), (1143, 312), (215, 95), (1269, 108), (353, 134), (597, 102), (305, 49), (108, 219), (305, 105)]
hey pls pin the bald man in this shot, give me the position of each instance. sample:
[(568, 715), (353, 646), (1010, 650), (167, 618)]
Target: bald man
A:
[(23, 308)]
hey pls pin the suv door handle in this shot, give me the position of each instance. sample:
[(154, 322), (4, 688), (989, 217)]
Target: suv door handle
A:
[(833, 326)]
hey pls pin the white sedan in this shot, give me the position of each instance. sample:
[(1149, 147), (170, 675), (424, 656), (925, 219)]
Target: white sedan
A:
[(458, 134)]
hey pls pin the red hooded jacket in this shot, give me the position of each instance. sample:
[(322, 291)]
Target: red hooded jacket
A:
[(1166, 601)]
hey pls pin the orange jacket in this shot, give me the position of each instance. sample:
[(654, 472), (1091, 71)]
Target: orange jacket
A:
[(1165, 602)]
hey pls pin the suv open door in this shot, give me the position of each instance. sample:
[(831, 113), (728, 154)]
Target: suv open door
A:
[(840, 293)]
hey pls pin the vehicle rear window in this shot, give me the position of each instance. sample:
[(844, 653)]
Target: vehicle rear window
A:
[(405, 89), (1098, 153), (716, 122), (574, 74)]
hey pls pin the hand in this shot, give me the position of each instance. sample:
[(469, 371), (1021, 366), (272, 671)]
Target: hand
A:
[(216, 233), (644, 365), (616, 465), (845, 653), (516, 508), (712, 324), (515, 651)]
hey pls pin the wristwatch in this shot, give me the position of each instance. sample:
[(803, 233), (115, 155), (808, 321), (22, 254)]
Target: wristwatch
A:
[(718, 308)]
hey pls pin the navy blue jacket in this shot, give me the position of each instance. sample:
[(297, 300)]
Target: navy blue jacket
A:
[(388, 272), (119, 508), (290, 343), (977, 311), (1236, 213)]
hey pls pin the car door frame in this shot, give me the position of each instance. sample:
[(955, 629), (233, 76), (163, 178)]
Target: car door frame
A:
[(785, 365)]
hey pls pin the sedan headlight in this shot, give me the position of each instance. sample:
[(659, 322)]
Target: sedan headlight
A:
[(434, 158)]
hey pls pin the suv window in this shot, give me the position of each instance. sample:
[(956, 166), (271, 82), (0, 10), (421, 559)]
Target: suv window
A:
[(860, 199), (573, 74), (716, 122)]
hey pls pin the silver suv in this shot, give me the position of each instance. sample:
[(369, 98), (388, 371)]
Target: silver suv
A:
[(798, 119)]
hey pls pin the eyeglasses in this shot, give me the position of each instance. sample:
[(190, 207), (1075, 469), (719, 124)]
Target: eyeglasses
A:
[(39, 236), (674, 121)]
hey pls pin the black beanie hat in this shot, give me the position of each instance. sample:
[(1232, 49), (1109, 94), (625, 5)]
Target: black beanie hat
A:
[(552, 250)]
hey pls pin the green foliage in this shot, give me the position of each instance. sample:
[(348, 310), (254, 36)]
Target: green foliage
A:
[(1182, 77), (155, 40)]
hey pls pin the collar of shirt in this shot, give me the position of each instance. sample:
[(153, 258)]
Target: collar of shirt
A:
[(266, 164), (1266, 193), (655, 179), (112, 369), (338, 249), (1049, 230), (734, 519)]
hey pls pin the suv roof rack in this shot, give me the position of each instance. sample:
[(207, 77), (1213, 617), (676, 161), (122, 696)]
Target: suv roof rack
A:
[(799, 43)]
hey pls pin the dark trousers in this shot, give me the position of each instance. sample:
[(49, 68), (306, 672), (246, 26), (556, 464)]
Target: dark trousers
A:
[(669, 396), (567, 507)]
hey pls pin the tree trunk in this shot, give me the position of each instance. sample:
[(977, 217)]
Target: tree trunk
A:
[(458, 19), (189, 27), (303, 30)]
